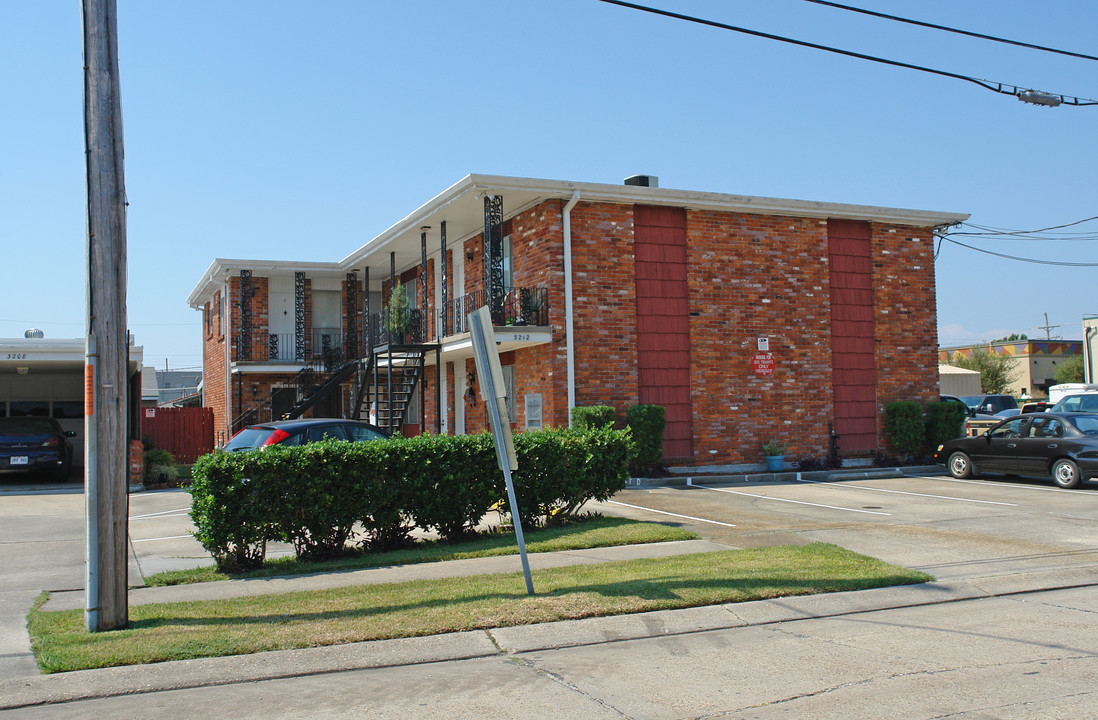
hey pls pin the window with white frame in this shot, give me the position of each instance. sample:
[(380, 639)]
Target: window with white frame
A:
[(533, 411), (509, 384)]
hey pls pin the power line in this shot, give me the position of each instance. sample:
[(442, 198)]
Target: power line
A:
[(1035, 97), (958, 31), (989, 231), (1021, 259)]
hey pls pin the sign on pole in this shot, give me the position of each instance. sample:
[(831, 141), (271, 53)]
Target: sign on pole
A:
[(494, 393)]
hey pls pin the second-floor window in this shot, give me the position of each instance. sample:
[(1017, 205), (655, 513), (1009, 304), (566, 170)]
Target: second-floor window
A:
[(326, 310)]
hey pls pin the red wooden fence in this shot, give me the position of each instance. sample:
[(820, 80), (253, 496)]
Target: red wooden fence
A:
[(184, 432)]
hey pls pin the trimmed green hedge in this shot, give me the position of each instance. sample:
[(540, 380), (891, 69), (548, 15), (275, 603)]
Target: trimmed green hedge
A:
[(943, 422), (904, 423), (590, 417), (647, 423), (315, 495)]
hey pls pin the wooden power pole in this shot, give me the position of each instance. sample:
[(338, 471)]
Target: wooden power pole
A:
[(106, 373)]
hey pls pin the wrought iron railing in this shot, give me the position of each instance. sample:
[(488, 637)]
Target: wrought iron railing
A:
[(302, 387), (517, 306), (285, 347), (414, 327)]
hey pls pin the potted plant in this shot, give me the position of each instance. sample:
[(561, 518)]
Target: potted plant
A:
[(774, 450), (399, 320)]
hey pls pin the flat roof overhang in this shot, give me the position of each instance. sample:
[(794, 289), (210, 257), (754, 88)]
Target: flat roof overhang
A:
[(462, 207)]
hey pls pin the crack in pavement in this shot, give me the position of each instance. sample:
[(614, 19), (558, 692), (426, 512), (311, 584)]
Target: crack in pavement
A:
[(529, 664)]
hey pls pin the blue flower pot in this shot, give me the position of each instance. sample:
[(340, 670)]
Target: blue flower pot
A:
[(775, 463)]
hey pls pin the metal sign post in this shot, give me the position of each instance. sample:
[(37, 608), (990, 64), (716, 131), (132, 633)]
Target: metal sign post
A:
[(494, 393)]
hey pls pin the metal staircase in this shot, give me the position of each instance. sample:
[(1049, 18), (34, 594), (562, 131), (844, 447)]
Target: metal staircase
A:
[(386, 386), (313, 382)]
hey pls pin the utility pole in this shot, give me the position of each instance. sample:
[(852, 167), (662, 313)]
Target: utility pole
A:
[(1047, 328), (106, 372)]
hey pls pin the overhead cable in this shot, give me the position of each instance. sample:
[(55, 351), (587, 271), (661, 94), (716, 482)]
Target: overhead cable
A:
[(958, 31), (1028, 95), (1021, 259)]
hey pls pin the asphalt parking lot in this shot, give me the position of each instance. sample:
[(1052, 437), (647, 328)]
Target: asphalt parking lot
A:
[(946, 527)]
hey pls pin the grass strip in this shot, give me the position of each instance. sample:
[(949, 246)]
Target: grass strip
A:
[(176, 631), (582, 534)]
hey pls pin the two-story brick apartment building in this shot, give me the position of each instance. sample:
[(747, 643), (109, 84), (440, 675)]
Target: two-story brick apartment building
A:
[(745, 317)]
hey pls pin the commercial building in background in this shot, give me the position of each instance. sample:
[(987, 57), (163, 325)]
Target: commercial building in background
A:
[(1035, 361), (1090, 344), (44, 377), (747, 318)]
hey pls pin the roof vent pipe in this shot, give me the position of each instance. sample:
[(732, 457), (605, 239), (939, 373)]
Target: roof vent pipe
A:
[(643, 181), (34, 333)]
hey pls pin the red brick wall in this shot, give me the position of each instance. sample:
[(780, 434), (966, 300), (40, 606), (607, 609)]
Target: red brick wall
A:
[(749, 276), (604, 306), (755, 276), (214, 371), (905, 316)]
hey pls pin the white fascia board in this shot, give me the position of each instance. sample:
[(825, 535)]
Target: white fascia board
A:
[(427, 214), (691, 199), (221, 268)]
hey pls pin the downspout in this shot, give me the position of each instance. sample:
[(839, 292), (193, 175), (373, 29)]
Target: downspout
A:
[(569, 346), (1088, 356)]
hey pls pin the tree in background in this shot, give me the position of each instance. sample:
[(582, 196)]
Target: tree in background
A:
[(995, 369), (1013, 337), (1070, 370)]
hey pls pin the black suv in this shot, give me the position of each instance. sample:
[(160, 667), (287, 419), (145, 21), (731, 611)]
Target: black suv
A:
[(989, 404)]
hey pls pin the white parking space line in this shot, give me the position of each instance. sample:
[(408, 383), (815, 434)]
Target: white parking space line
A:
[(169, 537), (1012, 486), (180, 512), (778, 499), (661, 512), (906, 492)]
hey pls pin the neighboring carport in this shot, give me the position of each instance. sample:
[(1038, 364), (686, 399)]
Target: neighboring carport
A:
[(42, 377)]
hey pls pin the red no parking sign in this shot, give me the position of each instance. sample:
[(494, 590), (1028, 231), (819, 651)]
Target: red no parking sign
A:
[(763, 363)]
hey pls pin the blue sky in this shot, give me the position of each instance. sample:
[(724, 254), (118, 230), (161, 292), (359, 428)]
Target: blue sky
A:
[(298, 131)]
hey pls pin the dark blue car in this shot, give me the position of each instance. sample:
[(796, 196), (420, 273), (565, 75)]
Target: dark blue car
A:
[(35, 444)]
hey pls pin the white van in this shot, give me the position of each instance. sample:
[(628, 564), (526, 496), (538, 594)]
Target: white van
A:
[(1057, 392)]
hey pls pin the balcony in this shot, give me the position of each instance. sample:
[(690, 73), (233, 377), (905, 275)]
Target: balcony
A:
[(322, 344), (520, 306)]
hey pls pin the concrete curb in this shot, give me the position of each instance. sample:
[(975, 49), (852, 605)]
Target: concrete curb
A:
[(687, 479), (499, 642)]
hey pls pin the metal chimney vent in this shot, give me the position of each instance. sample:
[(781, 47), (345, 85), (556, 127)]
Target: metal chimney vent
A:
[(643, 181), (34, 333)]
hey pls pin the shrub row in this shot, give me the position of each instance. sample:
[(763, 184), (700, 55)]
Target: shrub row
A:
[(318, 496), (911, 428), (647, 423)]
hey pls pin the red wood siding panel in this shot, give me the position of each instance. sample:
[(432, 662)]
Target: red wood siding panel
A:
[(854, 376), (663, 322)]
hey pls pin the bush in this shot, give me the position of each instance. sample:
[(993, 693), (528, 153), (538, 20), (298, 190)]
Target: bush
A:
[(810, 463), (314, 495), (451, 481), (592, 417), (228, 509), (904, 424), (944, 422), (159, 462), (647, 423)]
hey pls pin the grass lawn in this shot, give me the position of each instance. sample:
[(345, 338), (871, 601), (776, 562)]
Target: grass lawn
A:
[(583, 533), (306, 619)]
